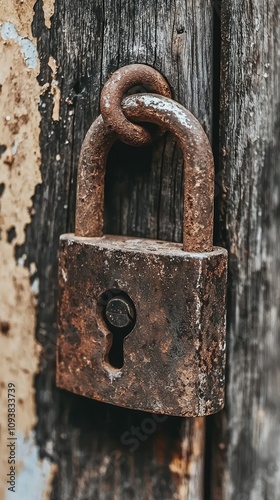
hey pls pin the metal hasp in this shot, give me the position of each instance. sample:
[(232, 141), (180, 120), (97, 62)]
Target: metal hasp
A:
[(142, 322)]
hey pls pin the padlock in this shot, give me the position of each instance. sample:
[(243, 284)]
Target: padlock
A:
[(142, 322)]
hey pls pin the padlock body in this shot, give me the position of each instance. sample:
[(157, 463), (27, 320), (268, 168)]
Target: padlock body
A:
[(174, 358)]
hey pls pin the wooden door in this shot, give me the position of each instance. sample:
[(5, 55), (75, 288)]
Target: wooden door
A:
[(55, 58)]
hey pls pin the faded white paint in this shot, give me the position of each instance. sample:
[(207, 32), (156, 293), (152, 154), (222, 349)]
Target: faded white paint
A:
[(33, 474), (29, 50)]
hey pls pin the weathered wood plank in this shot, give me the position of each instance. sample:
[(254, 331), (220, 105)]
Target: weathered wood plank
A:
[(93, 444), (250, 140)]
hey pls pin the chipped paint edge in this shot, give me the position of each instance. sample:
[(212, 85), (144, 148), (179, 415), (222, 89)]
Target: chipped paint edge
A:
[(20, 174)]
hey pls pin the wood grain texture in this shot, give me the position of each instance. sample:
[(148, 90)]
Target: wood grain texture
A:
[(248, 467), (91, 442)]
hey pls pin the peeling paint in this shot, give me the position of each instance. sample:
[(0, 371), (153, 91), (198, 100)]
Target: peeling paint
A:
[(48, 7), (20, 174), (9, 32), (55, 90), (19, 13), (34, 475), (35, 286)]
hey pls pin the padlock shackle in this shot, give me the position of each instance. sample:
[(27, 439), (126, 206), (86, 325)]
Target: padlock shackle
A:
[(198, 169)]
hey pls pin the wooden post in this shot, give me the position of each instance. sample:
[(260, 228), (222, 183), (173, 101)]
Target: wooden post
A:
[(91, 450), (247, 457)]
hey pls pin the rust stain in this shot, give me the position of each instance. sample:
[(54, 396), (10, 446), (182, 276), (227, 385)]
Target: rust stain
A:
[(5, 327), (116, 88), (179, 465), (173, 343), (8, 157), (161, 446), (188, 460)]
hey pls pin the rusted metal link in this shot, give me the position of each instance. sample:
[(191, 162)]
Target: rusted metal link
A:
[(198, 169), (114, 91)]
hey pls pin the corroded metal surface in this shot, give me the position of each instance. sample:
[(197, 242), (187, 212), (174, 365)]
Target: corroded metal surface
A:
[(91, 174), (171, 358), (198, 169), (115, 89), (175, 355)]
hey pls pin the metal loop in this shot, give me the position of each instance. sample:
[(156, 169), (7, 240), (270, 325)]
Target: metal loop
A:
[(198, 169), (113, 93)]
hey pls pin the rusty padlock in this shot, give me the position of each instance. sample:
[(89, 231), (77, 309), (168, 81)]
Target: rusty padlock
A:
[(142, 322)]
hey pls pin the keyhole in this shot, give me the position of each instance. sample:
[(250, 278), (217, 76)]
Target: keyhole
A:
[(120, 316)]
